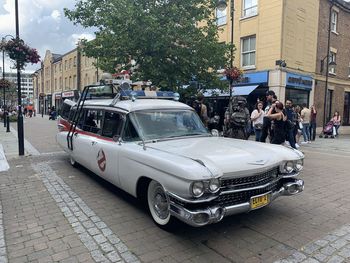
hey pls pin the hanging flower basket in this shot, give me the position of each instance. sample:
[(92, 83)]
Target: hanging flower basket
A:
[(233, 74), (5, 84), (20, 52)]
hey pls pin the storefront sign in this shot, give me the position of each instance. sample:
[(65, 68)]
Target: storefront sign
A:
[(42, 95), (299, 81), (57, 96), (256, 78), (67, 94)]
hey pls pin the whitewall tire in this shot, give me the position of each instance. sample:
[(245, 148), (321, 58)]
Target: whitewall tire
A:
[(73, 162), (158, 205)]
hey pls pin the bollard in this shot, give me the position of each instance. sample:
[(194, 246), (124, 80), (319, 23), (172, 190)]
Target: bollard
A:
[(8, 123)]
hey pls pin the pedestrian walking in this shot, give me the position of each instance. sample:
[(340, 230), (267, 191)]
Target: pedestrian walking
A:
[(257, 118), (313, 123), (202, 110), (290, 123), (305, 120), (266, 128), (336, 122)]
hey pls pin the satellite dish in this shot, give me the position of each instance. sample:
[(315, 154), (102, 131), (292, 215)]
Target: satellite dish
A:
[(125, 86)]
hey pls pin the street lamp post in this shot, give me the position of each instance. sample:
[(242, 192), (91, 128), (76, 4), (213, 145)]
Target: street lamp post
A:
[(19, 93), (3, 76), (328, 63), (222, 5)]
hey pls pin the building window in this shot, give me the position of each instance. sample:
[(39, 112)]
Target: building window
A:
[(65, 65), (349, 70), (70, 63), (332, 58), (221, 17), (250, 8), (334, 22), (75, 62), (74, 82), (248, 51)]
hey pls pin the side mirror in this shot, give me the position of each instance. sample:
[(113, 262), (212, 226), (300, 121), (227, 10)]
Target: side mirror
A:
[(214, 132)]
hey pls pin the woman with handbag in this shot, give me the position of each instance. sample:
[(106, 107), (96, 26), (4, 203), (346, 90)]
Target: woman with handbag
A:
[(336, 122), (257, 117)]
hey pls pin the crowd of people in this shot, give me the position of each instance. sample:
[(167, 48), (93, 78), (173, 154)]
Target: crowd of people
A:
[(286, 123), (283, 124)]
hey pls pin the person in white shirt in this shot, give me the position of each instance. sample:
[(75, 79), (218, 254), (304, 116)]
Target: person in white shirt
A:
[(257, 118)]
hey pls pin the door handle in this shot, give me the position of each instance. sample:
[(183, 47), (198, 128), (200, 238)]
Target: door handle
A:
[(93, 143)]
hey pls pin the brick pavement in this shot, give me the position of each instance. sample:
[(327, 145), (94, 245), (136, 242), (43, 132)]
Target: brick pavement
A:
[(295, 229)]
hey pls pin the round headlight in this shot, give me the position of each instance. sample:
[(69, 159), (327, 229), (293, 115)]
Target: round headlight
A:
[(214, 185), (197, 188), (299, 164), (289, 166)]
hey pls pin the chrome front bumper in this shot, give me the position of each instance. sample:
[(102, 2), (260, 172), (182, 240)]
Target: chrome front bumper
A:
[(201, 217)]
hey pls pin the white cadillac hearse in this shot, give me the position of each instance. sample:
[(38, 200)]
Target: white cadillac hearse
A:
[(158, 150)]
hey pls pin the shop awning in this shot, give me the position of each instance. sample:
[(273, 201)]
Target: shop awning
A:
[(243, 90)]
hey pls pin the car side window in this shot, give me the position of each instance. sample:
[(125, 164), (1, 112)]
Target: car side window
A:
[(92, 121), (130, 133), (112, 124)]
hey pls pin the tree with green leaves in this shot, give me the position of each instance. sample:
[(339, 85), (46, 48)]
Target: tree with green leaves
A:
[(168, 42)]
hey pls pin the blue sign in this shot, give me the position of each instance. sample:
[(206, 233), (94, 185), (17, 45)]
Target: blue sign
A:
[(299, 81), (257, 78)]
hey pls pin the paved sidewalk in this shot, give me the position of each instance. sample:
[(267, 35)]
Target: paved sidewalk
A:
[(50, 212)]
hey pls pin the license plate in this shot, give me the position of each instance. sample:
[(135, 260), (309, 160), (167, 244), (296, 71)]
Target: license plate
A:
[(259, 201)]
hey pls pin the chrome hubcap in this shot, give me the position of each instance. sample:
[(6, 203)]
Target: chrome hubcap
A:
[(160, 204)]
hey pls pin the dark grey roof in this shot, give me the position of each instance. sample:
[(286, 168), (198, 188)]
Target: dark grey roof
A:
[(56, 57)]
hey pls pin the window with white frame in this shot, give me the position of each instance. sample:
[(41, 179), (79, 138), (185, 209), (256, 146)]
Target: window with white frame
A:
[(250, 8), (332, 58), (349, 70), (221, 17), (248, 51), (334, 21)]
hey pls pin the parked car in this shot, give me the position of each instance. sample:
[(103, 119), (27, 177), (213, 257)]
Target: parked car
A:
[(159, 151)]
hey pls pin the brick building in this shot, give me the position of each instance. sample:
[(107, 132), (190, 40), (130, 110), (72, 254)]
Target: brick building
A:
[(338, 95)]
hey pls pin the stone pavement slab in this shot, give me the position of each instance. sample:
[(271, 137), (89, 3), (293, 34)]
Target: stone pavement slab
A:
[(53, 212)]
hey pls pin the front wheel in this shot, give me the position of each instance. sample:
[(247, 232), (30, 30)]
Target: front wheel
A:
[(73, 162), (158, 205)]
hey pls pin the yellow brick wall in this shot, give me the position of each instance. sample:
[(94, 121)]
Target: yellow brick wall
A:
[(300, 28), (284, 29)]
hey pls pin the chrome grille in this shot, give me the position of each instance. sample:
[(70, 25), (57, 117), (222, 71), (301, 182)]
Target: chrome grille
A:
[(244, 196), (250, 181)]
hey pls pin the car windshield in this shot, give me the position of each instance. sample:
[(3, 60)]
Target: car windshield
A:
[(161, 124)]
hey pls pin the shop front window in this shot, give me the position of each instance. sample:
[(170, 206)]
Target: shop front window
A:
[(299, 97)]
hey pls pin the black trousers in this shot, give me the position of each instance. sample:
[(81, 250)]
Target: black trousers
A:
[(266, 129)]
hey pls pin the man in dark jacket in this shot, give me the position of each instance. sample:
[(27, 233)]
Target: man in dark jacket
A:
[(266, 129), (290, 123)]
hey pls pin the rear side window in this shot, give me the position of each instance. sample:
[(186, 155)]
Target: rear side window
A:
[(92, 120), (112, 124), (64, 111)]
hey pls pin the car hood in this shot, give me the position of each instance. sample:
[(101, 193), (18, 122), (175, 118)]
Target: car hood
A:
[(226, 156)]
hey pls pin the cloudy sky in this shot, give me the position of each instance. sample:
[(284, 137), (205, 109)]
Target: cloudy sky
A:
[(42, 25)]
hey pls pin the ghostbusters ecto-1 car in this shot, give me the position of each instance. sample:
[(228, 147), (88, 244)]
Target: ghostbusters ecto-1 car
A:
[(157, 149)]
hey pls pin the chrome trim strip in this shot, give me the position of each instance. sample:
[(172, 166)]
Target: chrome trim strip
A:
[(194, 201)]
